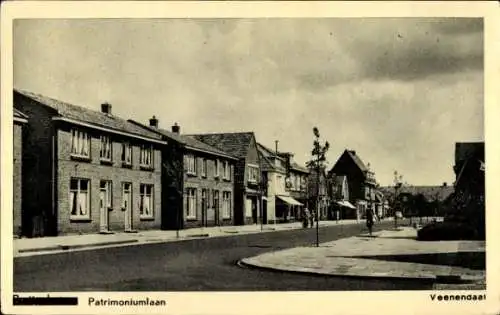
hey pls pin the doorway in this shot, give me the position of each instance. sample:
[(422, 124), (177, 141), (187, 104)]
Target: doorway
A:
[(105, 204), (127, 206)]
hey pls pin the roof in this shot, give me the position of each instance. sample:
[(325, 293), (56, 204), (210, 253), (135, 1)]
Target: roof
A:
[(17, 113), (188, 141), (236, 143), (429, 192), (86, 115), (297, 167), (467, 150), (266, 156), (357, 160)]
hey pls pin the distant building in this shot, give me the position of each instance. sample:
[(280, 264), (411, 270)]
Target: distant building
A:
[(247, 172), (87, 171), (203, 194), (341, 207), (20, 122), (319, 202), (285, 180), (420, 200), (361, 181)]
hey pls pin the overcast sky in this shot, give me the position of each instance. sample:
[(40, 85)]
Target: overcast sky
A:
[(400, 92)]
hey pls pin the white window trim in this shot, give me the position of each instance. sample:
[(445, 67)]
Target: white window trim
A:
[(252, 168), (145, 148), (108, 143), (191, 158), (151, 201), (216, 167), (78, 216), (193, 201), (226, 202), (109, 192), (203, 167), (126, 148), (78, 141)]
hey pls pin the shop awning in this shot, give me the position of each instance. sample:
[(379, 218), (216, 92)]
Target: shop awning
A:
[(290, 201), (345, 203)]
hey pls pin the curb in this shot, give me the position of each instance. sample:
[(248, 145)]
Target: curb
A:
[(67, 247), (443, 279), (153, 241)]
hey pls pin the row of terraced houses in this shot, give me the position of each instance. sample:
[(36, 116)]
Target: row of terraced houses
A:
[(78, 170)]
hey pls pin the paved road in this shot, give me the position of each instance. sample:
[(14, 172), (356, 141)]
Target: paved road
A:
[(193, 265)]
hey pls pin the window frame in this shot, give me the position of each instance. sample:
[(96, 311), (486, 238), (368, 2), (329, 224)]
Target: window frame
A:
[(203, 165), (142, 194), (191, 201), (127, 147), (144, 149), (226, 205), (190, 164), (109, 143), (216, 168), (253, 171), (78, 217), (78, 139)]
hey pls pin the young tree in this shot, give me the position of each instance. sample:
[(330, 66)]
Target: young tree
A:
[(318, 164)]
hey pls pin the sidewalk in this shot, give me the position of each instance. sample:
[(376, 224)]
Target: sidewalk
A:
[(47, 245), (387, 254)]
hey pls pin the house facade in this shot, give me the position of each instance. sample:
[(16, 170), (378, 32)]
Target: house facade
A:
[(341, 208), (318, 198), (207, 181), (20, 122), (296, 185), (279, 205), (248, 186), (87, 171), (361, 181)]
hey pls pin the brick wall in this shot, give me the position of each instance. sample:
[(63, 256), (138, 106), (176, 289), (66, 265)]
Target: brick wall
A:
[(95, 172), (17, 180), (210, 183), (38, 210)]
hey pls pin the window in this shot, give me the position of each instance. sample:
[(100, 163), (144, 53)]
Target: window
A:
[(126, 153), (190, 164), (105, 152), (146, 157), (146, 201), (79, 198), (80, 143), (191, 203), (226, 204), (227, 170), (106, 195), (216, 169), (253, 174), (204, 167)]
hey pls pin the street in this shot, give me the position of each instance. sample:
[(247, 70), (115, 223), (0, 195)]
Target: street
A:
[(191, 265)]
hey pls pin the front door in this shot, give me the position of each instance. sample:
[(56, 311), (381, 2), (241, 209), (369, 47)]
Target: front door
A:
[(254, 210), (104, 205), (204, 207), (127, 205)]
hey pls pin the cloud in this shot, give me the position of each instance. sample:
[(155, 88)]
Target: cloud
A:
[(400, 101)]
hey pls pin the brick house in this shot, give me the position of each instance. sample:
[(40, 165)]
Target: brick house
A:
[(361, 181), (20, 121), (279, 204), (87, 171), (207, 185), (296, 184), (248, 189)]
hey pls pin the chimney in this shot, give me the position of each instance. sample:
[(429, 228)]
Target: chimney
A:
[(153, 122), (106, 108), (176, 129)]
